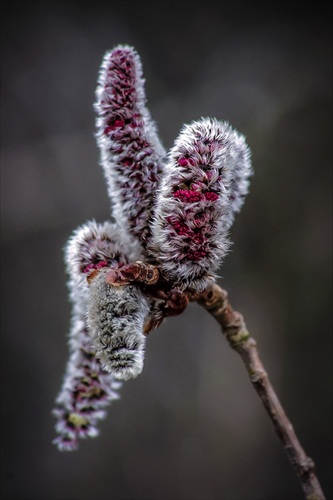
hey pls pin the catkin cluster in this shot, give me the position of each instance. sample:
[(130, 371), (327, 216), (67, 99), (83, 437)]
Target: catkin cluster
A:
[(172, 210)]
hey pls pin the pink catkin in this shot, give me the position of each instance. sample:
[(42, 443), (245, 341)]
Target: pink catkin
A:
[(87, 389), (128, 142), (194, 209), (86, 392)]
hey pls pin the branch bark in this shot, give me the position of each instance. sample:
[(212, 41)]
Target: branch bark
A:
[(215, 301)]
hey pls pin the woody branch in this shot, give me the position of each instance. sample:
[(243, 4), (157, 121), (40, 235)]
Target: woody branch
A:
[(215, 301)]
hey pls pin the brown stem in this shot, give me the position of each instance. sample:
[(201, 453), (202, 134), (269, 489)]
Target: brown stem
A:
[(134, 272), (215, 301)]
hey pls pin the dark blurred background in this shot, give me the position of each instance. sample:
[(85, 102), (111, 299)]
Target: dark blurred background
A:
[(190, 427)]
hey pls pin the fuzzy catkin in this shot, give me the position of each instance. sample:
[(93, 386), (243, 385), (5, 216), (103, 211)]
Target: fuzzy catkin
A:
[(204, 181), (239, 157), (92, 245), (87, 388), (86, 391), (116, 318), (131, 152)]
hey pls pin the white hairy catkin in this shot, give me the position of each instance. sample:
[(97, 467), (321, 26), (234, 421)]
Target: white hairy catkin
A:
[(131, 152), (204, 183), (87, 388), (116, 319)]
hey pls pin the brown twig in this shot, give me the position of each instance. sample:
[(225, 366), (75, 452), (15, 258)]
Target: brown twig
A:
[(138, 272), (215, 301)]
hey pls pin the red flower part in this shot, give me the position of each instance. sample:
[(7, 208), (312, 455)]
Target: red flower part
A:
[(196, 255), (98, 265), (188, 196), (180, 228), (185, 162)]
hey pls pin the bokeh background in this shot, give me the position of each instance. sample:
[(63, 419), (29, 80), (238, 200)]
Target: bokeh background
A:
[(190, 427)]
